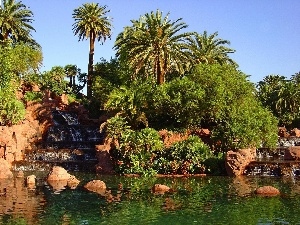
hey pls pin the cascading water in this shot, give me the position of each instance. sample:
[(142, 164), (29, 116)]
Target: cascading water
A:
[(274, 162), (67, 143)]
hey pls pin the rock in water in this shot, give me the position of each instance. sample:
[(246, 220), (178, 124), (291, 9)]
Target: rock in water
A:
[(267, 191)]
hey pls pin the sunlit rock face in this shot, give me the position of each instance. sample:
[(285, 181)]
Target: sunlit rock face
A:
[(236, 162)]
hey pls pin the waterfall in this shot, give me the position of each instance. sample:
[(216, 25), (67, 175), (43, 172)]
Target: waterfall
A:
[(67, 143)]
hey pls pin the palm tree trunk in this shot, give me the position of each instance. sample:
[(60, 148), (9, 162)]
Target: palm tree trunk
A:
[(90, 66)]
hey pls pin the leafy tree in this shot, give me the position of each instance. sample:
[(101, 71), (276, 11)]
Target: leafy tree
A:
[(281, 96), (15, 23), (107, 76), (153, 45), (131, 102), (53, 80), (232, 112), (176, 104), (210, 49), (12, 110), (91, 21)]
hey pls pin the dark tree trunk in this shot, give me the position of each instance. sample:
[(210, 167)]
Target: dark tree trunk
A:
[(90, 65)]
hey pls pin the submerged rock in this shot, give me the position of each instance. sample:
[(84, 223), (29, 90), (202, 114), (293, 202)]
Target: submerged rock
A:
[(267, 191), (97, 186), (160, 188)]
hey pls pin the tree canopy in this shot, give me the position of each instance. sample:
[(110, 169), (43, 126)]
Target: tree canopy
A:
[(154, 45), (15, 23)]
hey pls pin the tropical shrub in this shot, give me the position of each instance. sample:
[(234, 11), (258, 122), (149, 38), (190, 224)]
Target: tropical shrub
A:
[(136, 151), (184, 157)]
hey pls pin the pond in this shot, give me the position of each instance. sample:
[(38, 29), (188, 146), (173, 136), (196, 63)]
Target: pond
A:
[(194, 200)]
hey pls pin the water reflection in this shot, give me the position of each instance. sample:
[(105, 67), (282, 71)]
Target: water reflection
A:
[(195, 200)]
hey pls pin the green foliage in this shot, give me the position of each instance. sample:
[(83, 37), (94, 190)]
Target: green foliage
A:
[(209, 49), (53, 80), (15, 23), (131, 102), (116, 126), (232, 111), (184, 157), (177, 104), (136, 151), (12, 111), (281, 96), (154, 46), (33, 96)]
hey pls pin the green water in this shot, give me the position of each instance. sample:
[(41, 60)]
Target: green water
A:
[(196, 200)]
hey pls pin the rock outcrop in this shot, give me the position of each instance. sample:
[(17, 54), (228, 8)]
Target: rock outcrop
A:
[(236, 162)]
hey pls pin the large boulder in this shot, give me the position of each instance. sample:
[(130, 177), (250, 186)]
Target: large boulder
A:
[(5, 172), (59, 178), (267, 191), (236, 162)]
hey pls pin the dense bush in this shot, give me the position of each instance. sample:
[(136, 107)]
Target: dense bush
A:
[(184, 157)]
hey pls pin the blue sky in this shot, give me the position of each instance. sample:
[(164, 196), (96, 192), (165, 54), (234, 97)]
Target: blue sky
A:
[(264, 33)]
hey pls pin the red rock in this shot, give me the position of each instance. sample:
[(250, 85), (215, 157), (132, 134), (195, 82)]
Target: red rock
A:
[(97, 186), (295, 132), (236, 162), (282, 132), (59, 178), (267, 191), (160, 188), (292, 153)]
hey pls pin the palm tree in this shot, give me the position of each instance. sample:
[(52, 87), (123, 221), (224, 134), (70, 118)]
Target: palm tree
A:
[(91, 22), (154, 45), (15, 23), (210, 49)]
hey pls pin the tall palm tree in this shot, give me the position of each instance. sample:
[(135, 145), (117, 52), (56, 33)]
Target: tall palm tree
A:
[(15, 22), (154, 45), (91, 21), (210, 49)]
